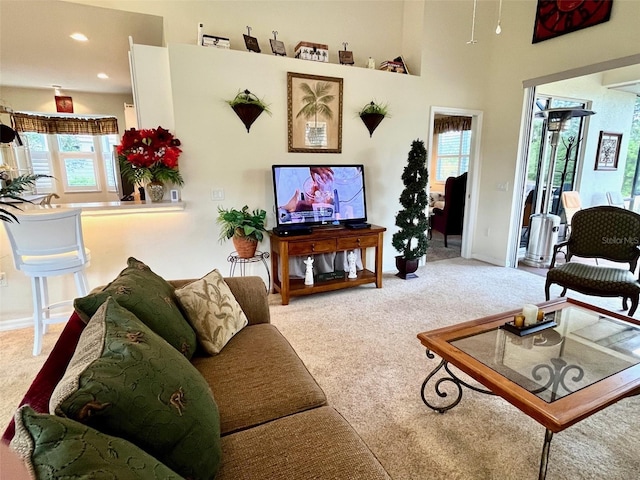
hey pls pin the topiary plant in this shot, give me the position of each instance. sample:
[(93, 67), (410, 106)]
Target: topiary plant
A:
[(411, 240)]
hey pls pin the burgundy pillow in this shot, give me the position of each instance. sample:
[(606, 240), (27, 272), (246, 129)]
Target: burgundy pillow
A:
[(51, 372)]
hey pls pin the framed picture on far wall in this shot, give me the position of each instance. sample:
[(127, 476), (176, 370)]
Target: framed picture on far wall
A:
[(608, 151), (558, 17), (64, 104), (314, 113)]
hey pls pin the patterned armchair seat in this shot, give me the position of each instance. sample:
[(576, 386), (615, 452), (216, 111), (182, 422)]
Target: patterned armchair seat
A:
[(601, 232)]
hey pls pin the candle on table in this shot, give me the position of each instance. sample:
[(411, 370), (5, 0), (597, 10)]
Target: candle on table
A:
[(530, 313), (518, 321)]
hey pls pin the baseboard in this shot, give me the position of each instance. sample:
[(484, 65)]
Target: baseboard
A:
[(500, 262), (18, 323)]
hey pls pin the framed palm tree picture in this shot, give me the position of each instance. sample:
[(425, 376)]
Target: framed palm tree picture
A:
[(314, 112)]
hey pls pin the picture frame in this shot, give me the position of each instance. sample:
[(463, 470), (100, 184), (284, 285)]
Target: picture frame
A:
[(553, 19), (277, 47), (314, 113), (251, 43), (345, 57), (64, 104), (608, 151)]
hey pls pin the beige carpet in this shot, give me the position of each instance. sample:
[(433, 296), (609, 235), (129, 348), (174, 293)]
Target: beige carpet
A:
[(361, 346)]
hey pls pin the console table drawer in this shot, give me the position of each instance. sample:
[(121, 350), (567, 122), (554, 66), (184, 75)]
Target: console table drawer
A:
[(350, 243), (312, 246)]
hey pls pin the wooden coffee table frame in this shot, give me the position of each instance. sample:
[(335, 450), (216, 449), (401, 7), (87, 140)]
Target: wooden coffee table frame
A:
[(554, 416)]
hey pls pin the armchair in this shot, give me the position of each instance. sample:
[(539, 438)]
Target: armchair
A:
[(449, 219), (604, 232)]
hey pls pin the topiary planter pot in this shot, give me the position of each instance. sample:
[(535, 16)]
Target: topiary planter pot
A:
[(406, 268)]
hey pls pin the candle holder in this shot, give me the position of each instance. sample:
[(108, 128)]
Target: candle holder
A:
[(521, 331)]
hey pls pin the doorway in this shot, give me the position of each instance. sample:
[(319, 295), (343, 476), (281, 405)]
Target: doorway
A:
[(471, 166), (565, 165)]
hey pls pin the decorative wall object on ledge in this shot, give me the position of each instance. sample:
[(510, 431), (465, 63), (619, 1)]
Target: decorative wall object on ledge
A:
[(277, 47), (555, 18), (372, 114), (248, 107), (316, 52), (251, 42), (345, 56), (314, 113), (608, 151)]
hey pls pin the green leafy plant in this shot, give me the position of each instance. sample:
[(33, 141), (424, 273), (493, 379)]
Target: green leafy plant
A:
[(248, 98), (411, 240), (10, 195), (241, 223), (372, 107)]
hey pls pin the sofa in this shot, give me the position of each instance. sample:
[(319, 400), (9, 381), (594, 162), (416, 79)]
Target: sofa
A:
[(274, 420)]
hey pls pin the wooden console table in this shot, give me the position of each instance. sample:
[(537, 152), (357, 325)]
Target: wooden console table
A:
[(324, 240)]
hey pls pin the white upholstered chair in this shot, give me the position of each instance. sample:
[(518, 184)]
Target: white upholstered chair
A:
[(571, 202), (615, 199), (48, 243)]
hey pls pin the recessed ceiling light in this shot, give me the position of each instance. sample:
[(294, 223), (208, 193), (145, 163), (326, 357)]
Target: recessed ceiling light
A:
[(103, 75), (80, 37)]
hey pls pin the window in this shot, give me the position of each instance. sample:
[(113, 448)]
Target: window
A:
[(40, 160), (76, 154), (80, 163), (452, 156), (108, 144)]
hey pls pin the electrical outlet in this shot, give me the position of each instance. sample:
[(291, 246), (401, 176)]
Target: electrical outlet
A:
[(3, 279), (217, 194)]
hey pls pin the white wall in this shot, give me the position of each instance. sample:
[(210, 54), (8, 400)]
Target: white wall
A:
[(219, 153)]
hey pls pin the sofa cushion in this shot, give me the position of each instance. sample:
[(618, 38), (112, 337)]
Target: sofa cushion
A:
[(126, 381), (318, 443), (56, 447), (150, 298), (212, 311), (258, 377)]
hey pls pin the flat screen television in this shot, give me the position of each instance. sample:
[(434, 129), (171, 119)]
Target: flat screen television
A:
[(319, 194)]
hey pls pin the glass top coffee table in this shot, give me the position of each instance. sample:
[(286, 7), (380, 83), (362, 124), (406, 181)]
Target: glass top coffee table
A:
[(558, 376)]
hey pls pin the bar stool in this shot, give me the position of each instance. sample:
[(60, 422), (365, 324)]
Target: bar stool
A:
[(46, 245)]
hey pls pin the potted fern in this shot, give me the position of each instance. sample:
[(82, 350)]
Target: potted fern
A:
[(11, 193), (411, 240), (246, 228), (248, 107), (372, 114)]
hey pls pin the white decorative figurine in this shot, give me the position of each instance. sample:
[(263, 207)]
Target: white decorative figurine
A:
[(351, 257), (308, 275)]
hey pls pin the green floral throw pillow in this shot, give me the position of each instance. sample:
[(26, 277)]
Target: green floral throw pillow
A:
[(54, 447), (126, 381), (212, 310), (150, 298)]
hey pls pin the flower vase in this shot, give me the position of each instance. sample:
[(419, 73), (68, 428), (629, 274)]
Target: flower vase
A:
[(156, 191)]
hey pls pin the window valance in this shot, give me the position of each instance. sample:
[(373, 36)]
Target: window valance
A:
[(451, 124), (25, 122)]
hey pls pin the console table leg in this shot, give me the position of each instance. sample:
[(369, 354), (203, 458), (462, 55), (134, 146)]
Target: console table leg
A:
[(544, 459)]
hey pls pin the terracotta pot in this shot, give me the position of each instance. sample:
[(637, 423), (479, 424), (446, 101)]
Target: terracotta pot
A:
[(406, 268), (371, 121), (245, 247), (247, 113)]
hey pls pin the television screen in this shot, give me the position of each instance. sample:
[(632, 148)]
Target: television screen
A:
[(319, 194)]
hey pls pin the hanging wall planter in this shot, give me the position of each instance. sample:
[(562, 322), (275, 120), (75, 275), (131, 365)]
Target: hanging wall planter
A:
[(248, 107), (372, 114)]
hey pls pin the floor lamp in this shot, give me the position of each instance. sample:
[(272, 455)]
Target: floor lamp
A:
[(544, 226)]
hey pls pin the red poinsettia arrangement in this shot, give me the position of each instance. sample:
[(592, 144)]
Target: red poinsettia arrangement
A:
[(151, 155)]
